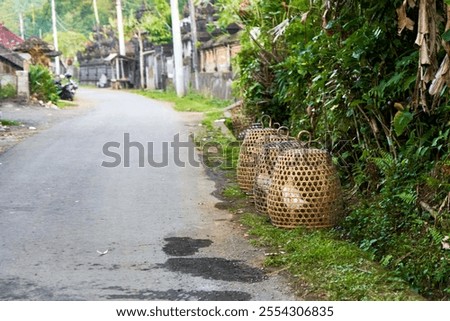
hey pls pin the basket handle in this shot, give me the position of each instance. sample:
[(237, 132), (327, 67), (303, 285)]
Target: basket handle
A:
[(304, 132), (262, 120), (281, 128), (276, 125)]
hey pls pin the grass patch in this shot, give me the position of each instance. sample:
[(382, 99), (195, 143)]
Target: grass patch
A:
[(191, 102), (219, 151), (233, 191), (7, 91), (65, 103), (6, 122), (333, 268)]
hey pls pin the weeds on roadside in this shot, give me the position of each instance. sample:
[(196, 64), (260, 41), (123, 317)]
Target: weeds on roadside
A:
[(7, 91), (7, 122), (334, 269)]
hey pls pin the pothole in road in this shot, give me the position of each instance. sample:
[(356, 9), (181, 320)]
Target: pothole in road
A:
[(215, 269), (184, 246), (180, 295)]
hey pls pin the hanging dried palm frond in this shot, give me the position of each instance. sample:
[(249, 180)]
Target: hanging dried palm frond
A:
[(441, 78), (403, 20), (431, 77), (443, 74)]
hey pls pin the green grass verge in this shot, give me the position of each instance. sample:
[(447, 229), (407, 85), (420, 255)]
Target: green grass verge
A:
[(191, 102), (65, 103), (6, 122), (333, 269), (233, 191)]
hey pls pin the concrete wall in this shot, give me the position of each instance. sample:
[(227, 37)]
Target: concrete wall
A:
[(7, 79), (89, 74), (215, 84), (218, 58), (18, 78), (7, 74), (23, 84)]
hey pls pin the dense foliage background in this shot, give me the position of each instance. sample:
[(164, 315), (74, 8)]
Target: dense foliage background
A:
[(344, 71)]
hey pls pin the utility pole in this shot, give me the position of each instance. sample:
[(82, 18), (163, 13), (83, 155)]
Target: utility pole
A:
[(22, 34), (97, 20), (141, 58), (177, 49), (120, 28), (55, 37), (194, 42)]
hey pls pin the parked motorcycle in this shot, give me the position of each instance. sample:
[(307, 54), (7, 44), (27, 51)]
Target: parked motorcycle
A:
[(66, 91)]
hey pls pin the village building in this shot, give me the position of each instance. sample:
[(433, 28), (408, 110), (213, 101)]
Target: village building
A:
[(102, 66), (13, 66)]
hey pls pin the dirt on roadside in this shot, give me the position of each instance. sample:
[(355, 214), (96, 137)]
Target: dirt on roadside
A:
[(28, 118)]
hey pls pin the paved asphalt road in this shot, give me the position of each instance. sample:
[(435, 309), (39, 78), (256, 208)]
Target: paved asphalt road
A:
[(165, 240)]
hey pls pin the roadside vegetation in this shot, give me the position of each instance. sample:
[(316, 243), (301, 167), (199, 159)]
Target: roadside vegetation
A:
[(323, 265), (7, 91), (358, 76), (192, 102), (7, 122), (327, 267), (42, 85), (65, 104)]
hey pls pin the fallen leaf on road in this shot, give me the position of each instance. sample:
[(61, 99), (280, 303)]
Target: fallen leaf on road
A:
[(102, 253)]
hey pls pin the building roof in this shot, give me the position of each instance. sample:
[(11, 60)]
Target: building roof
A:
[(113, 56), (12, 57), (34, 43), (9, 39), (222, 40)]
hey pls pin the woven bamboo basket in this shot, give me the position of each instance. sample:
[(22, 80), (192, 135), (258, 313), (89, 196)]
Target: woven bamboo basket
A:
[(243, 133), (305, 190), (249, 153), (264, 170)]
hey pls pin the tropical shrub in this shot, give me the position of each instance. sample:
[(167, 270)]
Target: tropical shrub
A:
[(42, 84)]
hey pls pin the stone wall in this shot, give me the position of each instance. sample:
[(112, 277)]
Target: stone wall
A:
[(215, 84), (7, 74), (10, 75), (23, 84), (90, 72)]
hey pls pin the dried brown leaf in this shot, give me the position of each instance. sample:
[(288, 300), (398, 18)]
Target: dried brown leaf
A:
[(403, 20), (440, 78)]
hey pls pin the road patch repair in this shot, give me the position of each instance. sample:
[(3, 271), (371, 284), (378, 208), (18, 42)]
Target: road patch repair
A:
[(184, 246), (213, 268)]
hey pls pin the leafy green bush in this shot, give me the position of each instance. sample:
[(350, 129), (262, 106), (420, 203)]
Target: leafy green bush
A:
[(347, 76), (42, 84), (7, 91)]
